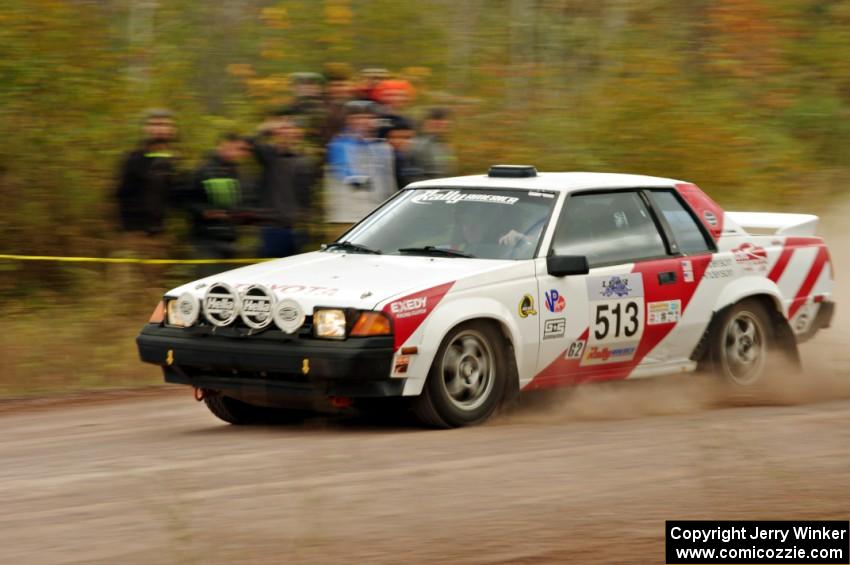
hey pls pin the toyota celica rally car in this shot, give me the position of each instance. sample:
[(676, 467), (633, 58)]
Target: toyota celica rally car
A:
[(457, 293)]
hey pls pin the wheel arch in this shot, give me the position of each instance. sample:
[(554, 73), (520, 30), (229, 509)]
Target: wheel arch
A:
[(452, 314), (772, 301), (761, 288)]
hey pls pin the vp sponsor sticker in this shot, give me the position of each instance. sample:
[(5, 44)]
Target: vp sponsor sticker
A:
[(554, 328), (664, 312), (554, 301)]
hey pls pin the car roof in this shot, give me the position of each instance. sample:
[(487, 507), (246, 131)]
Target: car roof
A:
[(560, 182)]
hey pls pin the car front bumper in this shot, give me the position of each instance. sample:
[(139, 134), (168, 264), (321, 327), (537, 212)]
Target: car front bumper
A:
[(271, 363)]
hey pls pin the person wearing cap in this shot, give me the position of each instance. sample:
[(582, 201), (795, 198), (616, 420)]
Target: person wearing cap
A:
[(360, 169), (431, 149), (395, 96), (285, 187), (148, 185)]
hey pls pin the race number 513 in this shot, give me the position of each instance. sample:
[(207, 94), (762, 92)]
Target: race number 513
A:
[(616, 319)]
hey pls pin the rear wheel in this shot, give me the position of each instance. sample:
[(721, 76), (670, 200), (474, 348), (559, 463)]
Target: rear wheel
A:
[(467, 380), (743, 343)]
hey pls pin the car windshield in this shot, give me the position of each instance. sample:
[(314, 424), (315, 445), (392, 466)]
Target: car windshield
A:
[(484, 223)]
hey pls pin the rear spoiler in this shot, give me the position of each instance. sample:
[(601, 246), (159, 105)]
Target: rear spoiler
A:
[(768, 223)]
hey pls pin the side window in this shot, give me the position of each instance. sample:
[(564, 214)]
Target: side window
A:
[(689, 236), (607, 228)]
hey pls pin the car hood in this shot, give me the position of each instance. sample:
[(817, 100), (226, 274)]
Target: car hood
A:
[(346, 280)]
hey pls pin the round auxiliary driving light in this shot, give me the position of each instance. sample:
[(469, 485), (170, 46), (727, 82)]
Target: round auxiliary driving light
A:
[(189, 308), (257, 307), (221, 304), (288, 316)]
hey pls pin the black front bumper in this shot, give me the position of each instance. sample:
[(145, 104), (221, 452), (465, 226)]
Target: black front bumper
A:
[(271, 363)]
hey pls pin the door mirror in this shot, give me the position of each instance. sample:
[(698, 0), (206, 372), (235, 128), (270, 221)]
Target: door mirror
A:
[(565, 265)]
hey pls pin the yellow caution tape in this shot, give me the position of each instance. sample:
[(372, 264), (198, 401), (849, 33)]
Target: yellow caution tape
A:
[(130, 260)]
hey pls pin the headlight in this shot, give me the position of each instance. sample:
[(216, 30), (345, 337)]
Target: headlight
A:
[(182, 312), (329, 323)]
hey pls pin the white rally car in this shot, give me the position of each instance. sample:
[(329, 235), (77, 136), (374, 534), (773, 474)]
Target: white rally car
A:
[(457, 293)]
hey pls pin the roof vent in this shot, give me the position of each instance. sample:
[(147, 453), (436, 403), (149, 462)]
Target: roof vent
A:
[(512, 171)]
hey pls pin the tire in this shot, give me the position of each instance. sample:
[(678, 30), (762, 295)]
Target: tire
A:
[(467, 380), (237, 412), (742, 347)]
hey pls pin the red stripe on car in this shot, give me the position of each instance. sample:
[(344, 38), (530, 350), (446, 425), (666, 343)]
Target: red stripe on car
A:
[(809, 283), (709, 212), (788, 247), (408, 312), (564, 371)]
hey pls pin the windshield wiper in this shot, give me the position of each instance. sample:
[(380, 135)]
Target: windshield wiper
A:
[(353, 247), (431, 250)]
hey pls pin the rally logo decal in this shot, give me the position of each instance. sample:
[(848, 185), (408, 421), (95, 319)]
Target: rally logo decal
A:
[(750, 257)]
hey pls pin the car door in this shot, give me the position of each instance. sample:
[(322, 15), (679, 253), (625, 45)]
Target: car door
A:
[(601, 325)]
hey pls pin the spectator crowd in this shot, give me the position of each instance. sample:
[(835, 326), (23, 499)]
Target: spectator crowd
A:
[(343, 145)]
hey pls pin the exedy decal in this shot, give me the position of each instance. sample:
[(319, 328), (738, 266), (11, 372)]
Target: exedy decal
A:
[(409, 307)]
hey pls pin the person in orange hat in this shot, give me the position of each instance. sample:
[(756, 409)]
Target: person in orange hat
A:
[(395, 96)]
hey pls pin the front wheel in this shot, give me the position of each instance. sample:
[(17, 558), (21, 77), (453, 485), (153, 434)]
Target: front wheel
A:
[(467, 380)]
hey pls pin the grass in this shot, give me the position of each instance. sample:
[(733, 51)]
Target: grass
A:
[(53, 343)]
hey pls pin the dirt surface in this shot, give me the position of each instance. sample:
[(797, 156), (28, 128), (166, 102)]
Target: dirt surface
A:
[(585, 476), (161, 481)]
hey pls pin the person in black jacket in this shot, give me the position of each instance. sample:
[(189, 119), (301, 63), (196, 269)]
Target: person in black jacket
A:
[(213, 200), (285, 186), (407, 168), (148, 184)]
